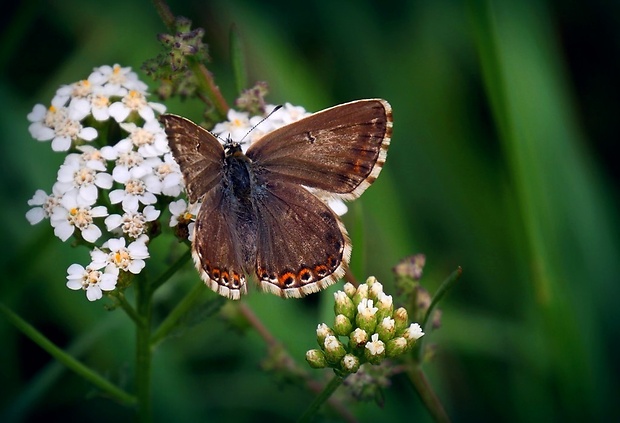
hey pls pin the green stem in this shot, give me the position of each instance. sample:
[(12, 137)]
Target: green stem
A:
[(171, 271), (426, 393), (209, 87), (177, 313), (64, 358), (446, 286), (321, 398), (143, 351), (165, 14), (131, 312)]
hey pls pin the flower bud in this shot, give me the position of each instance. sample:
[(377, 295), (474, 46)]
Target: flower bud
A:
[(395, 347), (358, 338), (374, 351), (316, 359), (342, 325), (322, 332), (386, 329), (344, 305), (350, 363), (366, 315), (349, 289), (385, 305), (360, 294), (375, 288), (334, 349), (401, 319)]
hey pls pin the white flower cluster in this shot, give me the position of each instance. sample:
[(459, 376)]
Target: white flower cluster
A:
[(111, 188), (116, 185)]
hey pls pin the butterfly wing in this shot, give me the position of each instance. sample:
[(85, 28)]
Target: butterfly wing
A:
[(198, 153), (302, 247), (340, 150), (215, 248)]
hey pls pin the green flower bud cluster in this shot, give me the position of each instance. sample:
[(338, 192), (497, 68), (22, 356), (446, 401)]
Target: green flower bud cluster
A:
[(375, 331)]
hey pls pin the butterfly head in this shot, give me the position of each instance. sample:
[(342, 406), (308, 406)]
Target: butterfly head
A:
[(232, 148)]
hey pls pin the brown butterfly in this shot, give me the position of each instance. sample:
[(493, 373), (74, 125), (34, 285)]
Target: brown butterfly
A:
[(257, 215)]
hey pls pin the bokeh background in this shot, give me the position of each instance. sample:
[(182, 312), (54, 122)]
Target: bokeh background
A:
[(504, 161)]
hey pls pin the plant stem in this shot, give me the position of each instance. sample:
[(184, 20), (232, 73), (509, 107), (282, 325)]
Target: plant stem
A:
[(143, 351), (443, 289), (426, 393), (66, 359), (171, 271), (177, 313), (321, 398)]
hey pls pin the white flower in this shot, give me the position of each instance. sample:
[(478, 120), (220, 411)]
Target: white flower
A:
[(60, 125), (117, 77), (150, 139), (44, 205), (77, 90), (80, 175), (181, 212), (91, 280), (235, 128), (127, 258), (73, 213), (136, 191), (129, 163), (366, 309), (169, 173), (99, 101), (132, 223), (135, 101), (285, 115), (375, 346), (413, 332)]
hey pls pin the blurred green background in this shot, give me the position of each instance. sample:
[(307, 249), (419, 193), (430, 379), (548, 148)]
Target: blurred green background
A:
[(503, 161)]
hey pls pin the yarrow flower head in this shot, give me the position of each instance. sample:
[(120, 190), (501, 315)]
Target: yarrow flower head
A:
[(117, 179), (375, 331), (109, 193)]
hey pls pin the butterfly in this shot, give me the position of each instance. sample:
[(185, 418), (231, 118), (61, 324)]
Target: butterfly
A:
[(263, 212)]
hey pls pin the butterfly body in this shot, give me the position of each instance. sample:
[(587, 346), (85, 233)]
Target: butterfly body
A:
[(258, 216)]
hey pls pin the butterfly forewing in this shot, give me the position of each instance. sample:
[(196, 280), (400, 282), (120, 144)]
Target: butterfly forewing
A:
[(302, 247), (339, 150), (198, 153)]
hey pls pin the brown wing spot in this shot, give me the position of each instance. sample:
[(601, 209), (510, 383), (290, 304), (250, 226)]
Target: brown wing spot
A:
[(236, 280), (263, 274), (287, 279), (216, 274), (321, 271), (332, 262), (305, 275), (225, 278)]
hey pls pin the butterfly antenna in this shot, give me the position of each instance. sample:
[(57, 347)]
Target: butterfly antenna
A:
[(278, 107)]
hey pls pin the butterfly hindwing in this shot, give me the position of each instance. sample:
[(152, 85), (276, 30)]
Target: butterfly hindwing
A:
[(217, 247), (302, 247)]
